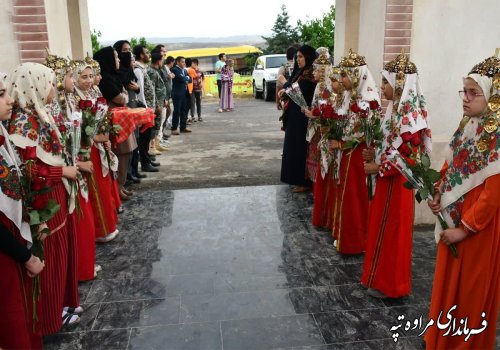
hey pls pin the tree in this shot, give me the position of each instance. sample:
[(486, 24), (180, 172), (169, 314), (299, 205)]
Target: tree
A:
[(141, 41), (319, 32), (283, 34), (94, 38)]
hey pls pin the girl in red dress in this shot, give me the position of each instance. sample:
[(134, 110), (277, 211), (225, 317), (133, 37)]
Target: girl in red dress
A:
[(387, 265), (33, 125), (360, 101), (18, 264)]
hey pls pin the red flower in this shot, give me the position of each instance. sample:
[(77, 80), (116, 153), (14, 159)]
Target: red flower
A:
[(405, 150), (39, 203), (316, 112), (363, 114), (457, 162), (327, 111), (94, 109), (373, 104), (355, 108), (424, 113), (44, 171), (37, 186), (326, 94), (411, 161), (415, 141), (81, 104), (405, 120), (472, 168), (406, 136), (2, 140), (30, 153), (62, 128), (463, 154), (101, 100), (88, 104), (407, 107)]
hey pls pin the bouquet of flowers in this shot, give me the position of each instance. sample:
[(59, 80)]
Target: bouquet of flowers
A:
[(38, 209), (416, 168), (333, 126), (371, 127), (88, 127), (296, 96)]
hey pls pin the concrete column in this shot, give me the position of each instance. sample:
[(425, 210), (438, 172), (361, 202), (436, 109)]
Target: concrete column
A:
[(347, 14), (79, 28)]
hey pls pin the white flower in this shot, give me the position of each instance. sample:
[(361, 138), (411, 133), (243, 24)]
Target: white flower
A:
[(364, 105)]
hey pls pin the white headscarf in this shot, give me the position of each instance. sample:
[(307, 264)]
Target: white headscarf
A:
[(409, 116), (11, 204)]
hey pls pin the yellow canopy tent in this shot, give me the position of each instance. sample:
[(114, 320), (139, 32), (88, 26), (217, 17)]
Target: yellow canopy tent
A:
[(215, 51)]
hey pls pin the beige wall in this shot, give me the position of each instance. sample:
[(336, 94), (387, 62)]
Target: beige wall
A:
[(8, 45), (58, 27), (448, 38), (346, 27), (79, 28), (371, 31)]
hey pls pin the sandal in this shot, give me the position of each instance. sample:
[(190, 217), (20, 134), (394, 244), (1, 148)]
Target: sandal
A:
[(69, 319), (72, 310)]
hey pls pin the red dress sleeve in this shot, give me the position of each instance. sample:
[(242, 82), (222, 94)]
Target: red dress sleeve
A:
[(485, 207), (53, 173)]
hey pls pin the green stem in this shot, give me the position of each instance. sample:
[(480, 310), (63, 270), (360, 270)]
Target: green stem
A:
[(370, 186), (445, 226)]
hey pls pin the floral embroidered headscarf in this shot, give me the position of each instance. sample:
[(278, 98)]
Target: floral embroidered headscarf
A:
[(473, 153), (11, 204)]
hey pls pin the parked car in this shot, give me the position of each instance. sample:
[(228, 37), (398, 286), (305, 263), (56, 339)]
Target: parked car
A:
[(264, 75)]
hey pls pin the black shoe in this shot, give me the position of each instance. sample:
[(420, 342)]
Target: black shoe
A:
[(153, 158), (149, 169), (140, 176), (155, 164)]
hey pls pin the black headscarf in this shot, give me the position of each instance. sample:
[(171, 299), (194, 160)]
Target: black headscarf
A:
[(310, 55), (126, 72), (110, 85)]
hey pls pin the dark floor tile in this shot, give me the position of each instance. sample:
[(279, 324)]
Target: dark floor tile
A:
[(333, 275), (235, 282), (138, 313), (231, 306), (84, 290), (195, 336), (115, 250), (124, 267), (333, 298), (269, 333), (157, 287), (346, 326), (105, 340), (423, 268), (126, 289)]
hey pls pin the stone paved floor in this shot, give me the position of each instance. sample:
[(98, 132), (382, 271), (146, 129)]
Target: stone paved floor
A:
[(236, 268)]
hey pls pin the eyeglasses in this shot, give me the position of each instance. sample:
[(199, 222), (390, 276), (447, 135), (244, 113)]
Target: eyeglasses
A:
[(470, 94)]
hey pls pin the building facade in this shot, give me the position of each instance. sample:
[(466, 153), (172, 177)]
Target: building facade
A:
[(28, 27)]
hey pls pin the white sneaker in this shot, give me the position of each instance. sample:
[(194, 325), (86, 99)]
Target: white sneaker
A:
[(335, 243), (71, 310), (164, 143), (97, 268)]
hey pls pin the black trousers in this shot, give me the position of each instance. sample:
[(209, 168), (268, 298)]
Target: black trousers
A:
[(144, 140), (219, 86), (196, 97)]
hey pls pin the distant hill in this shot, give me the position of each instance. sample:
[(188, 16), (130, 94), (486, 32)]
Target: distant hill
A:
[(181, 43)]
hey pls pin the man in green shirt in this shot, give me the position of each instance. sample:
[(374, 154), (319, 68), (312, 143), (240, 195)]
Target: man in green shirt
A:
[(218, 66)]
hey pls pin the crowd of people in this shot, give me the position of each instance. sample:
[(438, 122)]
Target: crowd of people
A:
[(358, 161), (72, 135)]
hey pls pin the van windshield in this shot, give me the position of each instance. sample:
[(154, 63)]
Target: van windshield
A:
[(275, 62)]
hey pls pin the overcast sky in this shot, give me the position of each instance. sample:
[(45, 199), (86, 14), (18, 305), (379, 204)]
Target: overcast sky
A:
[(122, 19)]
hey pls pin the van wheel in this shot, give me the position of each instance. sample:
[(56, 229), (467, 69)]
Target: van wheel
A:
[(267, 93)]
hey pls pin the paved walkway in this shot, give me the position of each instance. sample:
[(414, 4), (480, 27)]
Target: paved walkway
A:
[(235, 268)]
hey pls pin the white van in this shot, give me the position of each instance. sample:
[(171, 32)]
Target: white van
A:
[(265, 74)]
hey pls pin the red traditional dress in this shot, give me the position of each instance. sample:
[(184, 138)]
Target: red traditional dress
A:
[(387, 265), (35, 127), (16, 290), (319, 160), (468, 287), (84, 217), (351, 203)]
